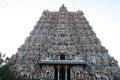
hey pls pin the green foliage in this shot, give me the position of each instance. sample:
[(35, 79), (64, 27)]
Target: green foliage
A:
[(117, 79), (6, 73), (1, 58)]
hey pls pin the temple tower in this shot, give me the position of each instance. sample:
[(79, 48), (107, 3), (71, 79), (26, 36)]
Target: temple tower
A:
[(63, 46)]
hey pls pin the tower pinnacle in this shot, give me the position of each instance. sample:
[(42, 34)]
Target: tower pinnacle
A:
[(63, 8)]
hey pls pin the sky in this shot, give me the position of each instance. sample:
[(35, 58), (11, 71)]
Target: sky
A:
[(18, 18)]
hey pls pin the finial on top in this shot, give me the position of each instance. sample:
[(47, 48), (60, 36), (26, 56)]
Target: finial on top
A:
[(63, 5), (63, 8)]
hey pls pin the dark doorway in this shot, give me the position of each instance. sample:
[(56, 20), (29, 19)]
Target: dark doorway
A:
[(56, 72), (62, 56), (68, 73), (62, 73)]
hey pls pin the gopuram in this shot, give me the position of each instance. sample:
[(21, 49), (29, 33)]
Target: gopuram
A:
[(63, 46)]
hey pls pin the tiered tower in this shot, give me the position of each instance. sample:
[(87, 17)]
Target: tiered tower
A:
[(63, 46)]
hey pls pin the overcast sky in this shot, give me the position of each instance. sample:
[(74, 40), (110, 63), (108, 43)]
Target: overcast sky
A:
[(18, 18)]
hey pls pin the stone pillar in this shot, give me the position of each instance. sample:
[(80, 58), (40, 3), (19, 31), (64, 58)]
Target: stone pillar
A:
[(58, 74), (66, 67)]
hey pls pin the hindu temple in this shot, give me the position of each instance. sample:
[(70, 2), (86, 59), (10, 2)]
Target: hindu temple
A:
[(63, 46)]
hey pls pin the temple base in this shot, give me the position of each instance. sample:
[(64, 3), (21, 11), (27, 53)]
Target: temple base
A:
[(62, 72)]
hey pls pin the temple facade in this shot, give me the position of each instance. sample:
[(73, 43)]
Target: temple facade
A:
[(63, 46)]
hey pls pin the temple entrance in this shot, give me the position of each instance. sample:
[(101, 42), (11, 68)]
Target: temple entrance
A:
[(56, 73), (68, 73), (62, 72)]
